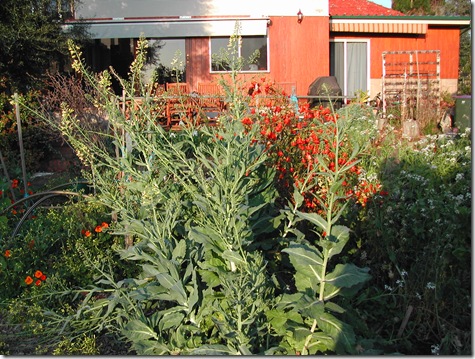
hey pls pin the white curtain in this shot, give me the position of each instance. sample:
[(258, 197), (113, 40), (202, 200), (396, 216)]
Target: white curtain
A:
[(353, 56), (357, 72)]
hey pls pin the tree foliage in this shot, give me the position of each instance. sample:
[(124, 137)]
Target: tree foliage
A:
[(446, 8), (433, 7), (31, 40)]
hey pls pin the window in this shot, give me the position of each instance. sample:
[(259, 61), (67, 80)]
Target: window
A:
[(252, 49), (349, 64), (165, 60)]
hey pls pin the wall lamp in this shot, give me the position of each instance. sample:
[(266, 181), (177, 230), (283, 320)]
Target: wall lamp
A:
[(299, 16)]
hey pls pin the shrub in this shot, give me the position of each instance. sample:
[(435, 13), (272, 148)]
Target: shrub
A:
[(417, 243)]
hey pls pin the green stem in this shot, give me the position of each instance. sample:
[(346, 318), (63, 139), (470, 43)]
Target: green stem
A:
[(309, 337), (323, 273)]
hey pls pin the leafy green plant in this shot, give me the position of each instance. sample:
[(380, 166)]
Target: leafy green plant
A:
[(308, 319), (188, 245), (417, 243), (190, 206)]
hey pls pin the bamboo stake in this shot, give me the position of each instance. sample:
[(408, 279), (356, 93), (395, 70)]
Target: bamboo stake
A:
[(20, 140), (405, 321)]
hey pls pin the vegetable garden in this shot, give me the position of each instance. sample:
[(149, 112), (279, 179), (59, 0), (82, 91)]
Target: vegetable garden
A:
[(280, 230)]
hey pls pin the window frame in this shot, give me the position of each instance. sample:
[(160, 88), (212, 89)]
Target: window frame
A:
[(345, 41)]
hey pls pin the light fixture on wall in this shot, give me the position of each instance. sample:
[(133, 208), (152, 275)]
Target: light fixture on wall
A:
[(299, 16)]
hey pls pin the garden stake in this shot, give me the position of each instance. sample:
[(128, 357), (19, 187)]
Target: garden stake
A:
[(405, 320), (20, 141), (7, 176)]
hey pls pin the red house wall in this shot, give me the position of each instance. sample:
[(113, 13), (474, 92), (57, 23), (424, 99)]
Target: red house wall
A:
[(298, 53), (443, 39)]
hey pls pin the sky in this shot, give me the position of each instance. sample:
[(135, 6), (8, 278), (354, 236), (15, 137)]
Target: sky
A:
[(386, 3)]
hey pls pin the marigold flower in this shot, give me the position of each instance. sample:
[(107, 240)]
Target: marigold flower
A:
[(105, 225), (28, 280), (8, 253), (38, 283), (43, 277), (85, 233), (38, 274), (98, 229)]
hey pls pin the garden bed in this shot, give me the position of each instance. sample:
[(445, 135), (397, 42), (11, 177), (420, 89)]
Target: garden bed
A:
[(276, 232)]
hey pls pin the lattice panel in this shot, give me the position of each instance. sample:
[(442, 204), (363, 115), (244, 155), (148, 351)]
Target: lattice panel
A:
[(411, 83)]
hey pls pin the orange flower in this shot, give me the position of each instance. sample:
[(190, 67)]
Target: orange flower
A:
[(105, 225), (38, 274), (43, 277), (38, 283), (28, 280), (98, 229), (8, 253), (86, 233)]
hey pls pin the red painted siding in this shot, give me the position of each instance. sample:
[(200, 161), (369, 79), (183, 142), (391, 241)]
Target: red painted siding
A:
[(298, 53), (445, 40)]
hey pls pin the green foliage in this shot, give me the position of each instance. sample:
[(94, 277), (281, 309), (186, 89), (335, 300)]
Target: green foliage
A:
[(412, 6), (191, 205), (308, 320), (37, 136), (31, 40), (465, 67), (82, 346), (47, 233), (417, 242), (201, 255)]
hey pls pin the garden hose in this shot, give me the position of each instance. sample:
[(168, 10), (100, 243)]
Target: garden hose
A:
[(47, 195)]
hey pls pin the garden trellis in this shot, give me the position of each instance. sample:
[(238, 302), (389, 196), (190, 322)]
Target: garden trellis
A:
[(411, 83)]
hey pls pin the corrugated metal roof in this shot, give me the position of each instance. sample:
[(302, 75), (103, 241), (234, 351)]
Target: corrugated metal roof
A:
[(360, 8)]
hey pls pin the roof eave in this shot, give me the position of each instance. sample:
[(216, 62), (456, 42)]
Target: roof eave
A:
[(460, 21)]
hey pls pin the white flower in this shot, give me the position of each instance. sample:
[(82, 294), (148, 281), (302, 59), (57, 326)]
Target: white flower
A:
[(435, 349), (430, 285), (459, 177)]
